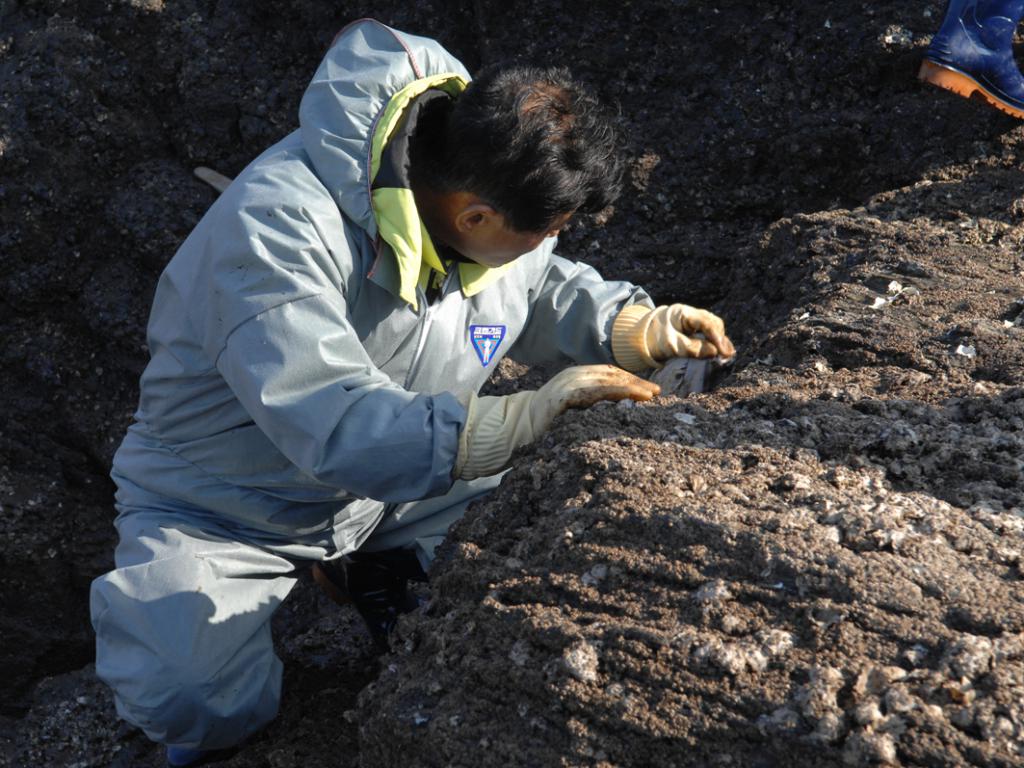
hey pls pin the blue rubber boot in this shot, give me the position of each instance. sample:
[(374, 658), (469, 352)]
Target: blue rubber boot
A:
[(179, 757), (972, 54)]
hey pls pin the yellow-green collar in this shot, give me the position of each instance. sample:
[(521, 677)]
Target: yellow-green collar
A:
[(398, 220)]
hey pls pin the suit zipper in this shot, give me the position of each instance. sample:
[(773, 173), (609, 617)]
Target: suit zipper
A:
[(428, 318)]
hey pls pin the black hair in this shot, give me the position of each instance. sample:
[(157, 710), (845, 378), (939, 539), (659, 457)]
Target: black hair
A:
[(532, 143)]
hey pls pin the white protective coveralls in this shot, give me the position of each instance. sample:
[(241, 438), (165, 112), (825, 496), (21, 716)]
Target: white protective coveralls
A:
[(305, 399)]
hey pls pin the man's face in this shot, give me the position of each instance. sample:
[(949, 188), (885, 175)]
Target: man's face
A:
[(489, 242)]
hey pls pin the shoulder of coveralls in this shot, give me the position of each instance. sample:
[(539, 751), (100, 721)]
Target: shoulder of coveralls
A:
[(535, 265), (274, 237)]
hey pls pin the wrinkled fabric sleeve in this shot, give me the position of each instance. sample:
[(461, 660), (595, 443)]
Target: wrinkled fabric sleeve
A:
[(571, 313), (306, 381)]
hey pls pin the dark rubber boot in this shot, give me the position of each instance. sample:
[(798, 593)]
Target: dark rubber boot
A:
[(376, 583), (180, 757), (972, 54)]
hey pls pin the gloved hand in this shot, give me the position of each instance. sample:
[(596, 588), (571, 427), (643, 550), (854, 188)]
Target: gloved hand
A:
[(644, 338), (496, 426)]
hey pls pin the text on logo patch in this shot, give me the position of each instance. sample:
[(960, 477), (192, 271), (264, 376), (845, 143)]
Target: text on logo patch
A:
[(486, 339)]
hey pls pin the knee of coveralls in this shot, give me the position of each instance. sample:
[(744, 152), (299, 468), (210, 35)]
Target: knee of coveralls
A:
[(184, 643), (422, 525)]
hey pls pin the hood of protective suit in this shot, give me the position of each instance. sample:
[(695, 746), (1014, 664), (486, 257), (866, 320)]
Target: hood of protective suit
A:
[(354, 106), (367, 64)]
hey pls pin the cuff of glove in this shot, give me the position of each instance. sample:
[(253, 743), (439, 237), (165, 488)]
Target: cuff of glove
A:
[(495, 427), (463, 455), (629, 339)]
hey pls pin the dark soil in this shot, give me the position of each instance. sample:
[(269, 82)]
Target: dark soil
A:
[(818, 563)]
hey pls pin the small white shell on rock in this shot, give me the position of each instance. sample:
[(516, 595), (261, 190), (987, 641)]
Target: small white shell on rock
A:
[(966, 350), (832, 534), (874, 680), (775, 642), (817, 697), (867, 713), (580, 660), (713, 591), (997, 729), (829, 728), (756, 660), (824, 615), (519, 653), (915, 655), (863, 747), (728, 657), (733, 658), (733, 625), (898, 699), (595, 575), (969, 657), (783, 718), (1006, 556)]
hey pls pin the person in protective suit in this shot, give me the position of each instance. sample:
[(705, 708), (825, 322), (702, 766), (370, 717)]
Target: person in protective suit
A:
[(317, 345)]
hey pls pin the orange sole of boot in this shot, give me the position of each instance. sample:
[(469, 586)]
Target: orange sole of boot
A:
[(963, 85)]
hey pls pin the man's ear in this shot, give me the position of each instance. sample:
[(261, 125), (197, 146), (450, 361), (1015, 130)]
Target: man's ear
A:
[(474, 215)]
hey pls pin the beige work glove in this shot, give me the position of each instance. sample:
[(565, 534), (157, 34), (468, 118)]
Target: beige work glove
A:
[(645, 338), (496, 426)]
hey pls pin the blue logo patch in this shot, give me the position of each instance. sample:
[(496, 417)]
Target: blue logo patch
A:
[(486, 339)]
